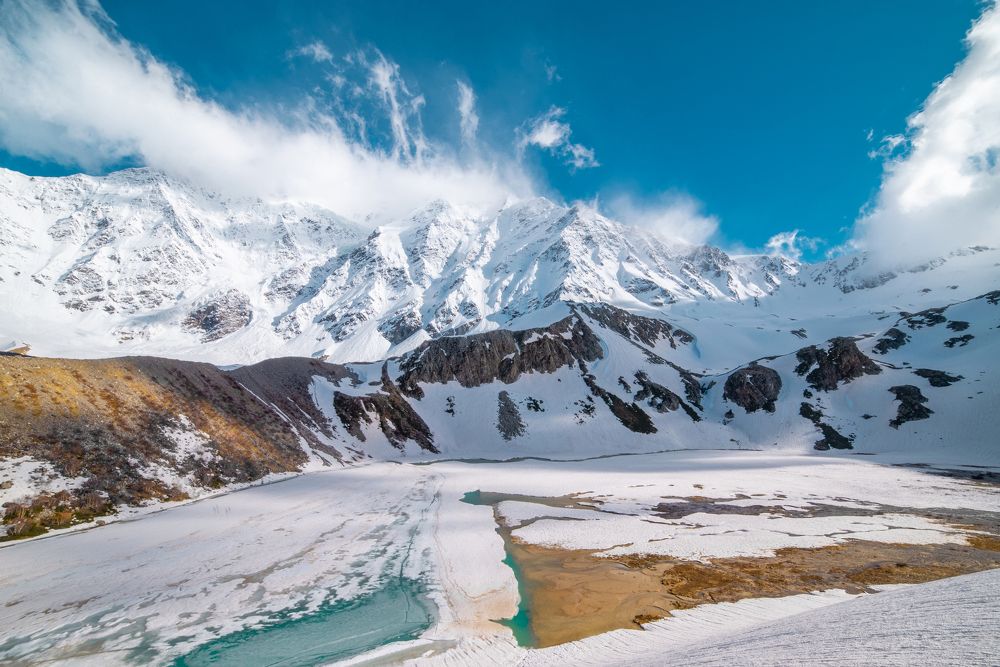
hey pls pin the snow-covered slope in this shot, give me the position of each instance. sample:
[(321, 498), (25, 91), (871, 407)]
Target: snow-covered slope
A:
[(947, 622), (138, 262)]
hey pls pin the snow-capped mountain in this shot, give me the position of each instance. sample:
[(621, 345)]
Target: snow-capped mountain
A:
[(137, 261), (535, 330)]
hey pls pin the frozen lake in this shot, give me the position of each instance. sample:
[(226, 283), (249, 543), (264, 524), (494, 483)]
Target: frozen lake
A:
[(385, 559)]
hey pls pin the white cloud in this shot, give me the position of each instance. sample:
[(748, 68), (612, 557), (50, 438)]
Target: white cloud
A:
[(552, 73), (943, 190), (468, 118), (551, 133), (76, 92), (315, 51), (792, 244), (675, 216), (403, 108)]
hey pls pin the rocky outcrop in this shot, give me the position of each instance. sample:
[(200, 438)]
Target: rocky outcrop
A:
[(660, 398), (753, 387), (831, 436), (959, 341), (498, 355), (400, 326), (893, 339), (633, 417), (842, 362), (509, 421), (219, 316), (937, 378), (646, 330), (395, 417), (925, 318), (911, 405)]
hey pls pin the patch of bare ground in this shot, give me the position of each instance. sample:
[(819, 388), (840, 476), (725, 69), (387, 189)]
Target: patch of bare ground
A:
[(572, 594), (109, 420)]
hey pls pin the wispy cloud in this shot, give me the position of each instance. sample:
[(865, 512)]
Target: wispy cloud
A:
[(792, 244), (403, 108), (315, 51), (468, 118), (676, 216), (941, 184), (77, 92), (550, 132)]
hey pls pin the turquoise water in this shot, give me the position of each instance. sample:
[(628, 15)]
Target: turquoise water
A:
[(396, 612), (520, 623)]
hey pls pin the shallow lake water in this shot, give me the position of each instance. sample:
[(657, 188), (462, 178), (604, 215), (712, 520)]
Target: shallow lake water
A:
[(398, 611)]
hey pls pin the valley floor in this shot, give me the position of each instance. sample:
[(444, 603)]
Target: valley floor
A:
[(390, 562)]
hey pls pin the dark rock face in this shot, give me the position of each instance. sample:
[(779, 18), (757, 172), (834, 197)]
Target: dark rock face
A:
[(893, 339), (660, 398), (843, 362), (911, 405), (219, 316), (509, 421), (937, 378), (646, 330), (400, 326), (753, 388), (925, 318), (498, 355), (993, 298), (959, 341), (630, 415), (831, 436), (958, 325), (396, 418)]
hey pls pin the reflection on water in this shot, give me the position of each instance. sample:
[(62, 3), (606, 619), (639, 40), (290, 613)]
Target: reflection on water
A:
[(399, 611)]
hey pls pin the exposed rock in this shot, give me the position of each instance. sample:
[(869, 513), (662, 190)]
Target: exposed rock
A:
[(631, 415), (893, 339), (843, 362), (219, 316), (396, 418), (753, 387), (646, 330), (660, 398), (509, 421), (957, 325), (959, 341), (993, 298), (498, 355), (831, 436), (400, 326), (925, 318), (911, 405), (937, 378)]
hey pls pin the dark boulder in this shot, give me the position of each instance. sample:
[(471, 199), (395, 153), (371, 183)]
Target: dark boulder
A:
[(842, 362), (753, 388), (911, 405)]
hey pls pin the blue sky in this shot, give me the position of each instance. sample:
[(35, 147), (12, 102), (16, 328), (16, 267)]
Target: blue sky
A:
[(765, 113)]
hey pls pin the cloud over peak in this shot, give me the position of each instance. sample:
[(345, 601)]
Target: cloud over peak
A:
[(941, 182), (78, 93), (551, 133)]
